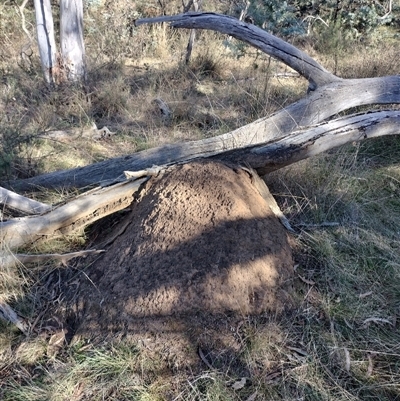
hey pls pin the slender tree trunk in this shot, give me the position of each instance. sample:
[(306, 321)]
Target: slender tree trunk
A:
[(46, 41), (192, 35), (71, 39)]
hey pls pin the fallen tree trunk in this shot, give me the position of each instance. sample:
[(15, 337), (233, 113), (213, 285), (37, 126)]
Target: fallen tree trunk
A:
[(306, 143), (99, 203), (329, 95), (238, 146)]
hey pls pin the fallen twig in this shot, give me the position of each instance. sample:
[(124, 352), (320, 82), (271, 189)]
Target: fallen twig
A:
[(204, 359), (8, 314), (323, 224), (376, 320), (12, 259)]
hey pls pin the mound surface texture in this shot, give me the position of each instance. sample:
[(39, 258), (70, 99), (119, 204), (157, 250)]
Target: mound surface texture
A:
[(199, 238)]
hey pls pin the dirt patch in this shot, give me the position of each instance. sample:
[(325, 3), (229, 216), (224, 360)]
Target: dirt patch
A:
[(200, 239)]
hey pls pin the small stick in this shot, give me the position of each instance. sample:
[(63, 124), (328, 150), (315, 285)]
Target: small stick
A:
[(204, 359), (153, 171), (11, 259), (324, 224), (8, 314), (376, 320)]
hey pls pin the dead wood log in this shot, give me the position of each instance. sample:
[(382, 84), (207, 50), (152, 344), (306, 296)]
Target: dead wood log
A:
[(71, 135), (311, 141), (70, 217), (99, 203), (239, 146), (328, 96), (21, 203)]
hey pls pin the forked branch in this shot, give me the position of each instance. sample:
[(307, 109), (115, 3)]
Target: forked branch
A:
[(331, 95), (257, 37)]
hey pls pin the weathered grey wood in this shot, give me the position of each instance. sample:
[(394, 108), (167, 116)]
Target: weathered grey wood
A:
[(257, 37), (46, 41), (70, 217), (263, 190), (227, 148), (71, 39), (331, 95), (310, 142), (8, 314), (21, 203)]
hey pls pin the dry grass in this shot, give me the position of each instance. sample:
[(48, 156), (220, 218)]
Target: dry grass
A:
[(350, 293), (341, 342)]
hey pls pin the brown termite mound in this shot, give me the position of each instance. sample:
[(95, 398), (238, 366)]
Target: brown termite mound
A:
[(200, 238)]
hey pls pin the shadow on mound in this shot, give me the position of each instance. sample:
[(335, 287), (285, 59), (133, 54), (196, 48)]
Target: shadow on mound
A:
[(200, 240)]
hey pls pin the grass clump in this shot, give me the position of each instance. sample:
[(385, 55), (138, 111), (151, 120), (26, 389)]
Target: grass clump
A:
[(83, 372), (351, 292)]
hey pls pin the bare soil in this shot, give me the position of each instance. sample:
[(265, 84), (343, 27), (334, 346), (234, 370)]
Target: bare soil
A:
[(200, 245)]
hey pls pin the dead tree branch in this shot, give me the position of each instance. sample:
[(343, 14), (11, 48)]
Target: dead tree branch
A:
[(330, 95), (70, 217), (255, 36), (21, 203), (98, 203)]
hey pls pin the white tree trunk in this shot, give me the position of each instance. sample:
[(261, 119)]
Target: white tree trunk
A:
[(71, 39), (46, 41)]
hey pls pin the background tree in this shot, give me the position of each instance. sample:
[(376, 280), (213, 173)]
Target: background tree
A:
[(70, 63), (71, 39), (290, 18), (46, 39)]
